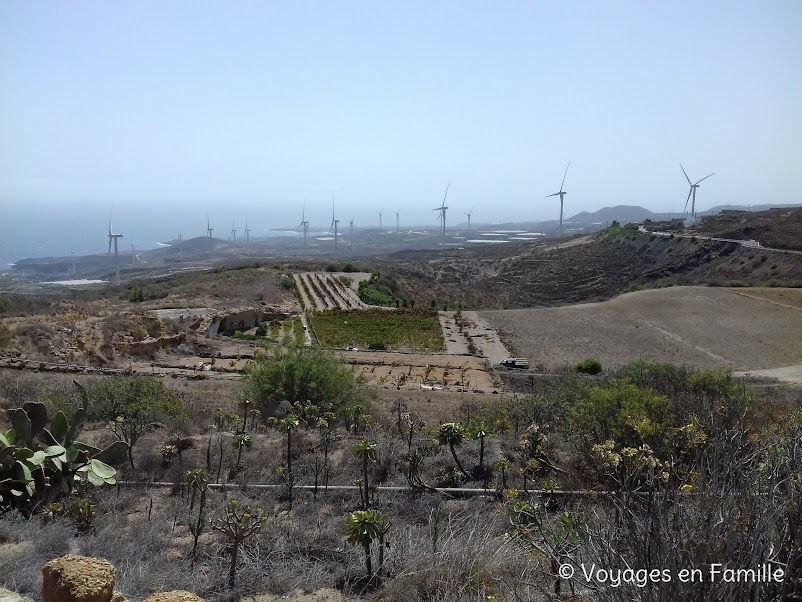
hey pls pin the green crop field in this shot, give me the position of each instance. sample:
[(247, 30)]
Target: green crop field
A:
[(414, 329)]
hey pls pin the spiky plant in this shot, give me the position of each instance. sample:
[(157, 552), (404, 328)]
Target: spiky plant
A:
[(238, 524)]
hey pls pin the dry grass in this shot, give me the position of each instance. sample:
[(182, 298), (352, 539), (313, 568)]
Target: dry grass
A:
[(704, 327)]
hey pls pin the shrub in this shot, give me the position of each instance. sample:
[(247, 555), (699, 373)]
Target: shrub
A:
[(307, 375), (286, 282), (377, 346), (589, 366)]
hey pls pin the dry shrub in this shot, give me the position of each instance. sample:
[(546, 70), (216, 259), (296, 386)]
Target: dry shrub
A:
[(460, 555)]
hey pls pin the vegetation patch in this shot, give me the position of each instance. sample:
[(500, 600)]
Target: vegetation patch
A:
[(417, 329)]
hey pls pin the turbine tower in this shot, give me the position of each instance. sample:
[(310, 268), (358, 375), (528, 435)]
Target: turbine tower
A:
[(334, 222), (380, 220), (304, 224), (72, 253), (233, 231), (133, 254), (209, 230), (396, 220), (114, 237), (562, 195), (469, 217), (351, 223), (247, 232), (692, 192), (442, 209)]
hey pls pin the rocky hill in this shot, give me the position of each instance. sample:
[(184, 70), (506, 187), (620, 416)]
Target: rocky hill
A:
[(587, 269)]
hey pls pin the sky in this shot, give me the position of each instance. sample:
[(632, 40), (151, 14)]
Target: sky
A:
[(168, 110)]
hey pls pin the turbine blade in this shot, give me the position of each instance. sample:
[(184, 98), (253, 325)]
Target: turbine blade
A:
[(688, 199), (551, 195), (712, 174), (686, 175), (446, 194), (565, 174)]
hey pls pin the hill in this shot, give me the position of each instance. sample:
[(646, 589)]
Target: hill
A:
[(780, 228), (589, 268)]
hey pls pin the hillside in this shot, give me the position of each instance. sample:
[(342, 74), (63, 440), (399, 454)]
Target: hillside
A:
[(592, 268), (777, 228)]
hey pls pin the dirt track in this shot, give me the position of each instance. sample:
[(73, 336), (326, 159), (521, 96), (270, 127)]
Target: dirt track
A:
[(697, 326)]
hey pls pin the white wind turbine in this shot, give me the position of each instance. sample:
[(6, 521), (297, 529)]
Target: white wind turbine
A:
[(334, 222), (442, 209), (114, 237), (397, 230), (209, 231), (304, 224), (469, 217), (692, 192), (562, 194)]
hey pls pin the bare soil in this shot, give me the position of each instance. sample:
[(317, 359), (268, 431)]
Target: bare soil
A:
[(698, 326)]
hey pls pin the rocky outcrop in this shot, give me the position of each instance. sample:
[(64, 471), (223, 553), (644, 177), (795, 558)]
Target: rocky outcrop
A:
[(78, 579)]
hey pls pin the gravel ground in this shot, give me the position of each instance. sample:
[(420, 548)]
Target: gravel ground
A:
[(697, 326)]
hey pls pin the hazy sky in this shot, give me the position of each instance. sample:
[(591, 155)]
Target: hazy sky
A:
[(254, 107)]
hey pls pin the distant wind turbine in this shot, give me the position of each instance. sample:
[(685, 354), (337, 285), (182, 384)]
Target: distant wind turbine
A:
[(233, 231), (209, 230), (334, 222), (380, 220), (133, 254), (562, 195), (396, 221), (72, 253), (351, 223), (469, 218), (692, 192), (304, 224), (442, 209), (247, 232), (114, 237)]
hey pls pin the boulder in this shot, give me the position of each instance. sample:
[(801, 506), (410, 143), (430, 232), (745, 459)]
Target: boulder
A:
[(78, 579), (174, 596)]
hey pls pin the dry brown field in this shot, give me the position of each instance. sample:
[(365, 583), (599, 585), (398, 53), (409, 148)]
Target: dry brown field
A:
[(697, 326)]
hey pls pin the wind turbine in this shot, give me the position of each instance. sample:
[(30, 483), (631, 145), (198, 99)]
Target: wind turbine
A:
[(469, 217), (133, 254), (442, 209), (351, 223), (692, 192), (396, 220), (304, 224), (334, 222), (562, 195), (209, 230), (380, 220), (72, 253), (247, 232), (233, 231), (114, 237)]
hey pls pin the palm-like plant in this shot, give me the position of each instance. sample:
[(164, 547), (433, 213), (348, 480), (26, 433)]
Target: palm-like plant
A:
[(452, 434), (238, 524), (289, 425), (366, 451), (362, 528), (240, 442)]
